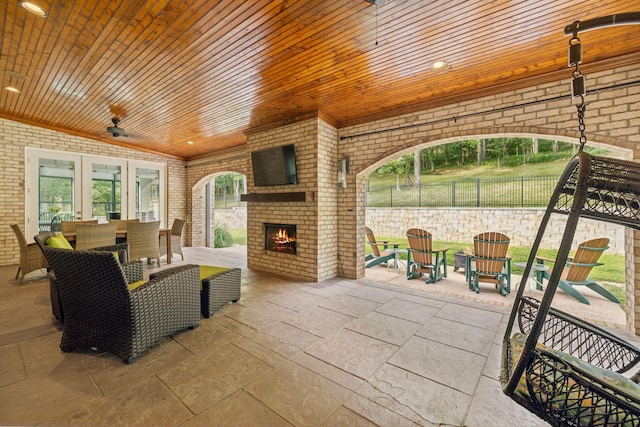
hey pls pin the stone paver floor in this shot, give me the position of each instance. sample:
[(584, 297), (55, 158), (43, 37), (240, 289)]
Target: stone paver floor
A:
[(338, 353)]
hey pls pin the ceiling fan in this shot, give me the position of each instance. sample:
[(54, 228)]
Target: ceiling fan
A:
[(114, 130)]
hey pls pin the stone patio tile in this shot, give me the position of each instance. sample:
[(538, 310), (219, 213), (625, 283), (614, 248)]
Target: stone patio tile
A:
[(471, 316), (346, 417), (319, 321), (37, 399), (297, 300), (11, 369), (453, 367), (459, 335), (147, 402), (284, 339), (207, 335), (205, 380), (259, 314), (355, 353), (408, 310), (330, 372), (416, 398), (239, 409), (489, 404), (300, 396), (377, 413), (373, 294), (384, 327), (349, 305)]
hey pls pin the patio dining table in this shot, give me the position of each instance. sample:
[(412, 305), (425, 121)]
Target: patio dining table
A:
[(122, 234)]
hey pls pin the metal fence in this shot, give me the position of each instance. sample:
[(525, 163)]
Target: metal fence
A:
[(524, 191)]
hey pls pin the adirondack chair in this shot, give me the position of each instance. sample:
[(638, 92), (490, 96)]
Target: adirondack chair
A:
[(380, 253), (492, 263), (577, 269), (422, 258)]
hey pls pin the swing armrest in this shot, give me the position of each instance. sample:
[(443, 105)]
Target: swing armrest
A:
[(569, 334)]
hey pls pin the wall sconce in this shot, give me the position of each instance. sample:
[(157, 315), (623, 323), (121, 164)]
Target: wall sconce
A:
[(343, 170)]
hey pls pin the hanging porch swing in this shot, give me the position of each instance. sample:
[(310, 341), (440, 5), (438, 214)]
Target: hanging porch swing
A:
[(562, 368)]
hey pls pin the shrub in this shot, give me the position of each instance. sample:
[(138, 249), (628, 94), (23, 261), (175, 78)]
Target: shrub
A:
[(222, 238)]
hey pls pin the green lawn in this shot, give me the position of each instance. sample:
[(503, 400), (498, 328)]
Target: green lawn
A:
[(239, 236)]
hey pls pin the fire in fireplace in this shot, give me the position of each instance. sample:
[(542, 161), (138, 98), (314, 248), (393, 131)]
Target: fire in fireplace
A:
[(280, 238)]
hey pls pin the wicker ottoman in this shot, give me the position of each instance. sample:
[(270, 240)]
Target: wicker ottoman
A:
[(220, 286)]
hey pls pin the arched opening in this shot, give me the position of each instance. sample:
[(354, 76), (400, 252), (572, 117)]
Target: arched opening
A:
[(460, 224), (216, 205)]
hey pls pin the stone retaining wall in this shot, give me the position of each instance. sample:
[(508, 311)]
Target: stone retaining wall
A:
[(233, 218), (460, 225)]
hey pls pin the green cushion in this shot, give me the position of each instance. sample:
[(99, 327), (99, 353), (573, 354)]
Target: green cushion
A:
[(59, 241), (134, 285), (207, 270), (557, 398)]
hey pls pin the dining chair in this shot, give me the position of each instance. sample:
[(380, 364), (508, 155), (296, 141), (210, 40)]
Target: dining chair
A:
[(121, 224), (90, 236), (176, 238), (144, 240), (70, 226), (31, 258)]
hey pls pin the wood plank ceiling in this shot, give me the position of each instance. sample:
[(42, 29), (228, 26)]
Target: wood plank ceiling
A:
[(207, 71)]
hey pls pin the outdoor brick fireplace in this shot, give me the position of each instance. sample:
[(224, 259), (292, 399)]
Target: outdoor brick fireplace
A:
[(280, 238)]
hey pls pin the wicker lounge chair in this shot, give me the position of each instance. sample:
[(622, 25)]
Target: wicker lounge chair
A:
[(101, 313), (31, 258), (133, 270)]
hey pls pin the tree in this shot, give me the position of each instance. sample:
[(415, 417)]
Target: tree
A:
[(416, 168)]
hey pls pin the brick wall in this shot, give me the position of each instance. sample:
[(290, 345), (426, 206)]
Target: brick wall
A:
[(15, 136), (315, 218)]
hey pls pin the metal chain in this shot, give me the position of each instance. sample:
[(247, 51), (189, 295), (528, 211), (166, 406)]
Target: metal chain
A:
[(582, 106)]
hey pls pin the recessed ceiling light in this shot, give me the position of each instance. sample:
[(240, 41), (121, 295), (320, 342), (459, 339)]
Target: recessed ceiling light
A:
[(439, 66), (11, 89), (190, 142), (34, 8)]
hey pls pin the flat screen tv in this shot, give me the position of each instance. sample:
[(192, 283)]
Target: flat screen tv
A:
[(274, 166)]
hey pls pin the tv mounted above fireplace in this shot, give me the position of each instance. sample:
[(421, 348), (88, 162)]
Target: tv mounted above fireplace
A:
[(274, 166)]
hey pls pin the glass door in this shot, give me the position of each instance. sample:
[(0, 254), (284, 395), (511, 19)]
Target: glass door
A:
[(105, 198), (53, 190), (147, 191), (69, 186)]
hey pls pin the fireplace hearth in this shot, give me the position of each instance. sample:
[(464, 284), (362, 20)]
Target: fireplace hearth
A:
[(280, 238)]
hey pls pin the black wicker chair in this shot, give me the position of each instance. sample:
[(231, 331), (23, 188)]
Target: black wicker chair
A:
[(102, 314), (562, 368), (133, 270)]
